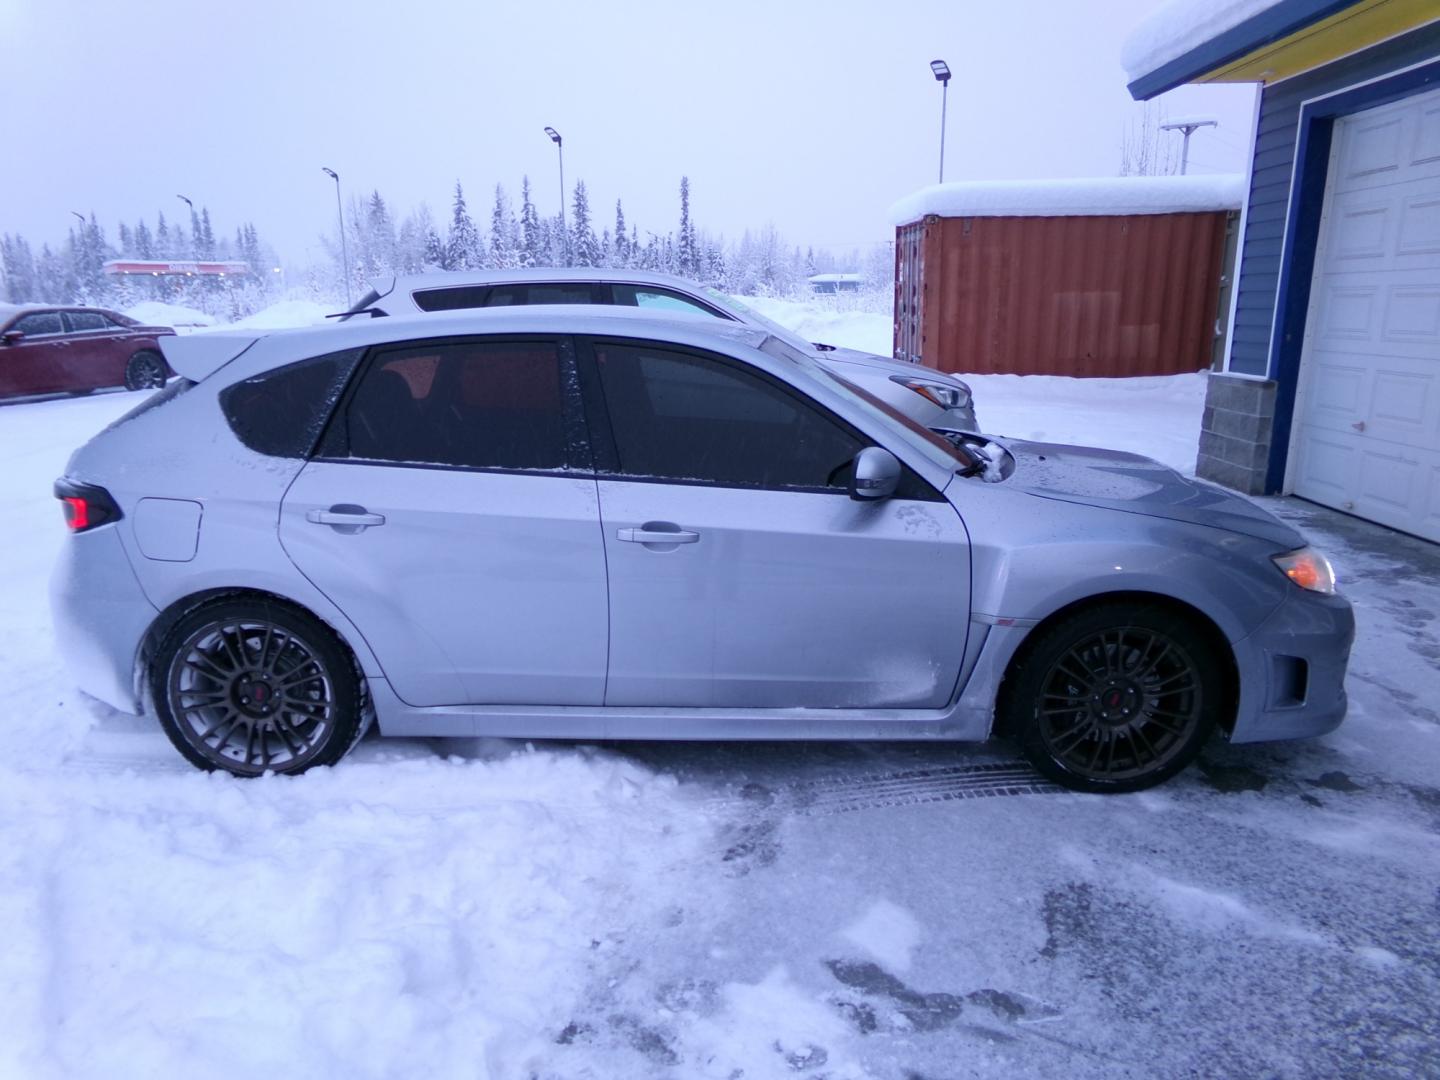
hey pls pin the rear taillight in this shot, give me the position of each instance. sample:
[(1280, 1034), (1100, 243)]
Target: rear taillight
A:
[(86, 506)]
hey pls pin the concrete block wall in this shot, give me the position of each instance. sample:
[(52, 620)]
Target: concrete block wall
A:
[(1235, 432)]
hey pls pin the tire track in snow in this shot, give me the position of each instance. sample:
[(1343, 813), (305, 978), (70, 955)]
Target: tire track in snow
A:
[(910, 787)]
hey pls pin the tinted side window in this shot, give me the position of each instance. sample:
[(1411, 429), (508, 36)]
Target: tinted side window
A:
[(282, 412), (548, 292), (684, 416), (456, 299), (42, 322), (496, 405), (85, 320), (656, 299)]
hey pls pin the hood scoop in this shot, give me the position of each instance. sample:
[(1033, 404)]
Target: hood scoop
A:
[(1137, 485)]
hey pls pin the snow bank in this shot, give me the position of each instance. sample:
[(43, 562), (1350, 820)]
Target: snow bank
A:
[(868, 331), (1108, 196), (154, 313), (1179, 26), (284, 315)]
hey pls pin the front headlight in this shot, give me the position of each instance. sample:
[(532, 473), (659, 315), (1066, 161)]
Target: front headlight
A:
[(946, 395), (1308, 569)]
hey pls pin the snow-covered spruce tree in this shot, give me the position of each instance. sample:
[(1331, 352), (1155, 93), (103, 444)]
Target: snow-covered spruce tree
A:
[(620, 255), (50, 284), (144, 243), (205, 239), (713, 271), (503, 255), (687, 256), (584, 247), (382, 258), (463, 247), (436, 255), (163, 239), (19, 265), (532, 235), (411, 245)]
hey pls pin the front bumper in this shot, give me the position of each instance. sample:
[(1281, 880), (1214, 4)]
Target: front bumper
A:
[(1292, 670), (100, 616)]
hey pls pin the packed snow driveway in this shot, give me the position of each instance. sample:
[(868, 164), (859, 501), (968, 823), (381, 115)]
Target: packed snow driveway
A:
[(464, 909)]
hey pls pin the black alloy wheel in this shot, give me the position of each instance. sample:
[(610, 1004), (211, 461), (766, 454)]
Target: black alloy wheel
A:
[(1116, 698), (145, 371), (250, 687)]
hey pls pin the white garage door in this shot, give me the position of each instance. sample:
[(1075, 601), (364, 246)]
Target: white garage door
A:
[(1368, 415)]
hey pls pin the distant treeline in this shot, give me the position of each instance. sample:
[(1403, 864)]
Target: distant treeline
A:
[(375, 245)]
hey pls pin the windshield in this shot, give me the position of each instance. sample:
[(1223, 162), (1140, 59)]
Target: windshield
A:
[(754, 318)]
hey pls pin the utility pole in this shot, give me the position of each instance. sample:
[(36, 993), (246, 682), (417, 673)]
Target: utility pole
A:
[(1187, 128)]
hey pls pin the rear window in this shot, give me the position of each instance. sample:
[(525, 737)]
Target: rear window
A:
[(456, 299), (85, 320), (282, 412)]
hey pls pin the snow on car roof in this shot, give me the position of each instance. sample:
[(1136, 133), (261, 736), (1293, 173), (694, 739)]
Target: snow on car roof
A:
[(1122, 195), (1175, 28)]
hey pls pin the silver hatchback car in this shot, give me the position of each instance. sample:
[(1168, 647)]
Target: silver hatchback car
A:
[(933, 399), (563, 522)]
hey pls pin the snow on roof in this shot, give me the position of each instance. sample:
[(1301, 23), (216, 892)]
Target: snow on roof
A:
[(1073, 198), (836, 277), (1179, 26)]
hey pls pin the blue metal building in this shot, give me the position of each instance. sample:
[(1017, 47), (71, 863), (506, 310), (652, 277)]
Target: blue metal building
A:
[(1331, 382)]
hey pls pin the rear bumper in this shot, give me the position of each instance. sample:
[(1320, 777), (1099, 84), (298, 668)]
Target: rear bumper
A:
[(100, 616), (1292, 670)]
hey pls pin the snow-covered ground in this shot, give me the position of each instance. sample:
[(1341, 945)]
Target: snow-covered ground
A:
[(495, 909)]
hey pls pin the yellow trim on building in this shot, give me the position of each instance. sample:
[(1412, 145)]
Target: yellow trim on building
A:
[(1367, 23)]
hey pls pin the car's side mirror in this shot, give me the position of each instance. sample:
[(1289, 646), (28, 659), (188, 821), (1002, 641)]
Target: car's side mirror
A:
[(876, 474), (12, 337)]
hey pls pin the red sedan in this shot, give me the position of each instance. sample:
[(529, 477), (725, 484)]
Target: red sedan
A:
[(48, 350)]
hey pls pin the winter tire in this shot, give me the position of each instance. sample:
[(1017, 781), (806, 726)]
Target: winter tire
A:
[(250, 686), (1117, 697), (145, 371)]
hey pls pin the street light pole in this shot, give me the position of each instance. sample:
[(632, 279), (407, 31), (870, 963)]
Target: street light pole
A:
[(1187, 128), (344, 247), (560, 150), (942, 76), (194, 224)]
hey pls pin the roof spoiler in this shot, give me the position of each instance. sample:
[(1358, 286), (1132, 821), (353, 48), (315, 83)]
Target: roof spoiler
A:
[(198, 356)]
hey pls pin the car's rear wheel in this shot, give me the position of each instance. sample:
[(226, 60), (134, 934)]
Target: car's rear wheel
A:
[(1117, 697), (250, 686), (145, 371)]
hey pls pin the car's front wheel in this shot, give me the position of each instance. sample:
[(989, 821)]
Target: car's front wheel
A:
[(1116, 697), (145, 371), (250, 686)]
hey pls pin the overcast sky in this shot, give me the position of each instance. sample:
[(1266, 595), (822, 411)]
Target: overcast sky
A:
[(813, 116)]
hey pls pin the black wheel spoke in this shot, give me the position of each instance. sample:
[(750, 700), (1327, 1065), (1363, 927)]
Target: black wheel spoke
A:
[(1138, 738), (205, 666)]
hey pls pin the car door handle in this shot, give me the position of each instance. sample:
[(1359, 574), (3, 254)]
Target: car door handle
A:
[(657, 536), (355, 517)]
